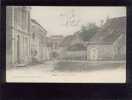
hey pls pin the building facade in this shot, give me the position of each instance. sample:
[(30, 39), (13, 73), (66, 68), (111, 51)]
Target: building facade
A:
[(39, 47), (54, 45), (18, 37)]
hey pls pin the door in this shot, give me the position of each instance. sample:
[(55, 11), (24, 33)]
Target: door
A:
[(93, 53), (18, 49)]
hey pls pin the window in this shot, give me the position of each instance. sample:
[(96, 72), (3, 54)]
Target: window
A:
[(28, 22), (19, 16), (26, 46), (33, 35), (24, 21), (15, 16)]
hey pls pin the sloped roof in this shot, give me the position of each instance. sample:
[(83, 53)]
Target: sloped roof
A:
[(56, 36), (110, 31), (76, 47), (34, 21), (76, 39), (67, 41), (71, 40)]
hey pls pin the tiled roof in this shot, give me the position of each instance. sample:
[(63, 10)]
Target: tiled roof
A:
[(110, 31)]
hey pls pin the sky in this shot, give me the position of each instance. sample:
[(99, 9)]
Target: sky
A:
[(57, 20)]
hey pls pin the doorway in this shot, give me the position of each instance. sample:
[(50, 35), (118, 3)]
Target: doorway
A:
[(94, 54), (18, 49)]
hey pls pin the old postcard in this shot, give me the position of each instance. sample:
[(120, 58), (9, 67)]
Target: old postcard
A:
[(66, 44)]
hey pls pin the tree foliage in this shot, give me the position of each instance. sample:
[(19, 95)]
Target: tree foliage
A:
[(87, 31)]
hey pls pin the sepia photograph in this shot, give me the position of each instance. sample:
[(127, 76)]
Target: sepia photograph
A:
[(66, 44)]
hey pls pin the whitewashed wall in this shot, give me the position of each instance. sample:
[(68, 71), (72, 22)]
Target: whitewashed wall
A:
[(103, 51)]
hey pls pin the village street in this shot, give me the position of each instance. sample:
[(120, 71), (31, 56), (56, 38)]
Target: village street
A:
[(79, 47), (46, 73)]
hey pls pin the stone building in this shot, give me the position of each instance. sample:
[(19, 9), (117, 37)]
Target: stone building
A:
[(54, 45), (39, 44), (18, 37), (56, 41), (109, 43)]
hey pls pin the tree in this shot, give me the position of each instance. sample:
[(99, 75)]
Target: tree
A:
[(88, 31)]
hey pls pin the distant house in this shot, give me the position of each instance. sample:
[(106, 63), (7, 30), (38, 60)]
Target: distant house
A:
[(71, 40), (54, 46), (109, 43), (55, 41), (66, 41)]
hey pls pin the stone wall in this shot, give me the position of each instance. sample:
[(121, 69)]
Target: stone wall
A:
[(38, 42)]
